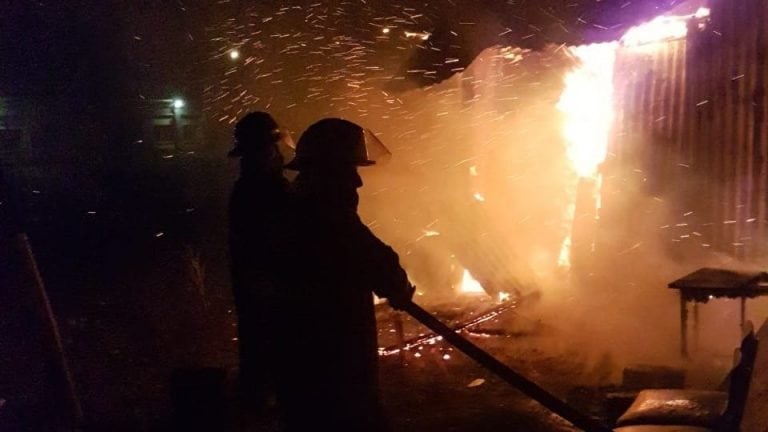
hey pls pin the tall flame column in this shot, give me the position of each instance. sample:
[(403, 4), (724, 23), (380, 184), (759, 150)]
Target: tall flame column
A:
[(587, 103)]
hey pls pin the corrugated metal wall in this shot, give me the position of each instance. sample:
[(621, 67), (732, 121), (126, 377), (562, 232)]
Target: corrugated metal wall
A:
[(691, 125)]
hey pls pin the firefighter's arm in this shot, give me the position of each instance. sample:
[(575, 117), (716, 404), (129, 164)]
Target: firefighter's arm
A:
[(380, 267), (390, 280), (399, 300)]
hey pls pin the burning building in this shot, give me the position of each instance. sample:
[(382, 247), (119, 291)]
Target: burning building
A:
[(662, 133), (690, 123)]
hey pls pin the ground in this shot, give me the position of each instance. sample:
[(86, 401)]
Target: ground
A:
[(440, 389), (433, 397)]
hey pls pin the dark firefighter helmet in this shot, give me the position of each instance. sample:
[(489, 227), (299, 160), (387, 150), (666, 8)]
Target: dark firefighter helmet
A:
[(255, 133), (333, 143)]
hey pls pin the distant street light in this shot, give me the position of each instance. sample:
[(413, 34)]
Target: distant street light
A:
[(234, 54), (178, 103)]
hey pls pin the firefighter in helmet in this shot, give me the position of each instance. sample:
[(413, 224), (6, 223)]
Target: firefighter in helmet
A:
[(258, 223), (341, 262)]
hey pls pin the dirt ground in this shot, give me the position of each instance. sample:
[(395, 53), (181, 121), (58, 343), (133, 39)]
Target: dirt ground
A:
[(427, 396), (441, 389), (433, 387), (419, 398)]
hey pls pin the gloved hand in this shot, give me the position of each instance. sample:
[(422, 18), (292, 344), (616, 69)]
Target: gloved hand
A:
[(400, 299)]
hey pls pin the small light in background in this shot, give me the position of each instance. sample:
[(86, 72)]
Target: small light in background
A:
[(178, 103), (385, 30), (234, 54)]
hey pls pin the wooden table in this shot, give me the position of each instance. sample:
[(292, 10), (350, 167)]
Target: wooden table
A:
[(706, 284)]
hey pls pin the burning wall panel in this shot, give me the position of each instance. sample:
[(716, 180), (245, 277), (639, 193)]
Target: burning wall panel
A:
[(691, 120), (646, 151)]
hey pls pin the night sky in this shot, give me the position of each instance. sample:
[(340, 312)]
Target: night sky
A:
[(88, 49)]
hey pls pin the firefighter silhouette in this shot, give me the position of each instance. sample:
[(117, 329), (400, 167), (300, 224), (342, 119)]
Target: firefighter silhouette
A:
[(258, 222), (333, 383)]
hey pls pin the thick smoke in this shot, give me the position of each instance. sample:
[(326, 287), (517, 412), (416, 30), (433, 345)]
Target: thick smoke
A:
[(479, 180)]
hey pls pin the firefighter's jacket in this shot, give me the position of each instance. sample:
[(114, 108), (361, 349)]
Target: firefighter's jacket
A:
[(340, 264)]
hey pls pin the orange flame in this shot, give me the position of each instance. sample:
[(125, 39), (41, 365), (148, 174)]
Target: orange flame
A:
[(587, 103), (470, 285)]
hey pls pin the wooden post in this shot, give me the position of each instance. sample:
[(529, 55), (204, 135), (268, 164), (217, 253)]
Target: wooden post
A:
[(742, 315), (400, 332), (683, 326), (46, 312), (695, 326)]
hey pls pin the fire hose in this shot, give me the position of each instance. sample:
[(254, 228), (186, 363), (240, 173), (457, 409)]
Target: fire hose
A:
[(526, 386)]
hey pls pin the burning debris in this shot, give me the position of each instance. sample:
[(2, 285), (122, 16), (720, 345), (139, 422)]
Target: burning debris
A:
[(477, 318)]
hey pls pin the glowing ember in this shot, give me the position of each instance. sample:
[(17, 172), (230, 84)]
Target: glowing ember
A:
[(418, 35), (470, 285)]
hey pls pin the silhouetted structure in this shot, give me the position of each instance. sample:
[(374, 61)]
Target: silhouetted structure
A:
[(258, 223)]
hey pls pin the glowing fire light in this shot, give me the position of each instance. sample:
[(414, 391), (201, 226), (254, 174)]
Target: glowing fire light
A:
[(470, 285), (661, 29), (587, 102)]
